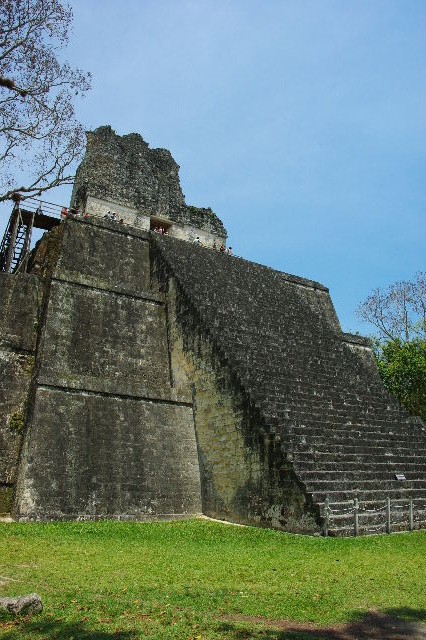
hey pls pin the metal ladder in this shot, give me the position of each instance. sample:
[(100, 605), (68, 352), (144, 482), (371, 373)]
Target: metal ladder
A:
[(16, 241)]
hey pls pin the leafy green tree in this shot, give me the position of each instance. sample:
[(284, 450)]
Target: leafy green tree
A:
[(399, 315), (402, 366)]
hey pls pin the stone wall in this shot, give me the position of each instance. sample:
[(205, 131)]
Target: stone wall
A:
[(107, 435), (20, 302)]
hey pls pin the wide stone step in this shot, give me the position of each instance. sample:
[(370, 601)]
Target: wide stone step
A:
[(325, 460), (293, 389), (346, 507), (373, 430), (367, 495), (317, 460), (329, 412), (325, 389), (290, 446), (338, 436), (358, 470), (361, 484), (354, 453), (360, 474)]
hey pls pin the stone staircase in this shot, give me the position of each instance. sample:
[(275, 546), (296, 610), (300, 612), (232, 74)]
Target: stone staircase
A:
[(363, 466), (320, 398)]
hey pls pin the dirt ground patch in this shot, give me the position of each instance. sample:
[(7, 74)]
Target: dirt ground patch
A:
[(371, 626)]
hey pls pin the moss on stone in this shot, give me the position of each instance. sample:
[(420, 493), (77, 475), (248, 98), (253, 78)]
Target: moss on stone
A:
[(17, 421), (28, 367), (6, 500)]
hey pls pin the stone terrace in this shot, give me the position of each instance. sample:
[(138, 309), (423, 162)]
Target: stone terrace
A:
[(319, 396)]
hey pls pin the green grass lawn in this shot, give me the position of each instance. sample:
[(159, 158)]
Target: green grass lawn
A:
[(197, 579)]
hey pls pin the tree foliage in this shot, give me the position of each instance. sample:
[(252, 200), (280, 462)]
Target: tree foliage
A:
[(399, 315), (40, 137), (402, 366)]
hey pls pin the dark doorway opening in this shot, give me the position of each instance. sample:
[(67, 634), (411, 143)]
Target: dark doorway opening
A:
[(159, 226)]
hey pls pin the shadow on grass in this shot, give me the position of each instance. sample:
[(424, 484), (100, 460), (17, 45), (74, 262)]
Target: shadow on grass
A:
[(21, 628), (392, 624)]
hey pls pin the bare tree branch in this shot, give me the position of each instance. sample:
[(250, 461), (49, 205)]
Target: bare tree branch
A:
[(399, 312), (39, 134)]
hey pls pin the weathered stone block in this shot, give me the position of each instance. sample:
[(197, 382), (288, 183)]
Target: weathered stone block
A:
[(104, 255), (15, 375), (20, 299), (97, 340), (93, 456)]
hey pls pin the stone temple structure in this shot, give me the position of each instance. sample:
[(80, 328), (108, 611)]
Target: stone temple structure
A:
[(147, 376)]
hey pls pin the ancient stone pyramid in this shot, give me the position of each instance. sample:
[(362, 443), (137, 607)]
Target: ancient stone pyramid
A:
[(156, 377)]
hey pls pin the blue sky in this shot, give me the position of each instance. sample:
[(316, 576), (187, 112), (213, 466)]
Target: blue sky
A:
[(301, 123)]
